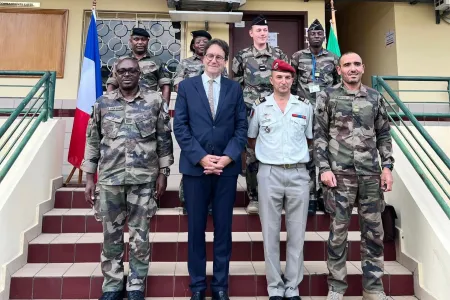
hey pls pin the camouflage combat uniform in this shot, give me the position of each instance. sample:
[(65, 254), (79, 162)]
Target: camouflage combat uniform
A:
[(154, 72), (129, 140), (327, 76), (351, 129), (252, 69)]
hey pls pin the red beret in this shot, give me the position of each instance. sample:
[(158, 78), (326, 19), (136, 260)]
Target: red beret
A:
[(282, 66)]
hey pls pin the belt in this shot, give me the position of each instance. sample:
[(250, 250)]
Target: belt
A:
[(289, 166)]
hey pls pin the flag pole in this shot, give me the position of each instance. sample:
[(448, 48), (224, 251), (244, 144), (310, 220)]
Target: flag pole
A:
[(333, 18)]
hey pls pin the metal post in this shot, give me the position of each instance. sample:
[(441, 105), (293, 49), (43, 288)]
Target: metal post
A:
[(46, 99), (51, 94)]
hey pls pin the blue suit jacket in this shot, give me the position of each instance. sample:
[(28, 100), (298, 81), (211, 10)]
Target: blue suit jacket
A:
[(198, 134)]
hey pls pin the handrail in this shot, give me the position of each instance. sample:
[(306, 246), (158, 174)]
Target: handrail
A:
[(44, 90), (416, 123), (379, 83)]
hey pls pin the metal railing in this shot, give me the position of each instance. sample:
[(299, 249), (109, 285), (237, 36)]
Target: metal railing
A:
[(410, 138), (36, 107)]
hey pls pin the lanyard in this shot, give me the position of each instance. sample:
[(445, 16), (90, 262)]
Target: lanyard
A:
[(313, 75)]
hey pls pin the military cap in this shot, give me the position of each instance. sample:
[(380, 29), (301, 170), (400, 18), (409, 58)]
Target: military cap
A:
[(140, 32), (259, 20), (282, 66), (202, 33), (316, 26)]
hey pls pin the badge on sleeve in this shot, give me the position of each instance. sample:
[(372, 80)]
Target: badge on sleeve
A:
[(252, 113)]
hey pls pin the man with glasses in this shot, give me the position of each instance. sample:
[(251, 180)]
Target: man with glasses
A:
[(252, 69), (315, 71), (154, 72), (129, 141), (210, 126)]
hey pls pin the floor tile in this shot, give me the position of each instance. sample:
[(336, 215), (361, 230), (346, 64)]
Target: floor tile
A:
[(240, 237), (314, 236), (44, 238), (316, 267), (56, 212), (67, 238), (165, 237), (256, 236), (162, 268), (78, 212), (181, 269), (81, 270), (168, 211), (54, 270), (29, 270), (396, 270), (91, 238), (241, 268), (354, 236)]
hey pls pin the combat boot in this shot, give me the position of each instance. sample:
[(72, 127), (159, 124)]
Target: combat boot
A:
[(374, 296), (136, 295), (253, 207), (312, 207), (334, 296), (111, 296)]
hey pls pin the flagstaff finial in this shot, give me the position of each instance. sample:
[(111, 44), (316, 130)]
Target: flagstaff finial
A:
[(94, 4)]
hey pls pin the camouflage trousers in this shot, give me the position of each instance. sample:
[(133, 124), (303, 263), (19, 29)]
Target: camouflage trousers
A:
[(116, 204), (252, 167), (311, 167), (365, 192)]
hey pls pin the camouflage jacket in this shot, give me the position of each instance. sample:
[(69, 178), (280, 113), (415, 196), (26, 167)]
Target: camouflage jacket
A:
[(252, 69), (154, 72), (350, 130), (128, 140), (190, 67), (325, 72)]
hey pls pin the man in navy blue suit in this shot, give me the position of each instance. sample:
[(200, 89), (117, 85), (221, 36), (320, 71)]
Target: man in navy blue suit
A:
[(210, 126)]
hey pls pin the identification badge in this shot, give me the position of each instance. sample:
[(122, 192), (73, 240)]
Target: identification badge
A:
[(356, 108), (313, 88), (317, 74), (262, 68), (115, 108)]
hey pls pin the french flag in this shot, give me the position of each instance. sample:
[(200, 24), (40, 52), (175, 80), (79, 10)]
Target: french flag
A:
[(89, 90)]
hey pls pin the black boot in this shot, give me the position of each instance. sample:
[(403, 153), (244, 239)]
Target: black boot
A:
[(111, 296), (312, 207)]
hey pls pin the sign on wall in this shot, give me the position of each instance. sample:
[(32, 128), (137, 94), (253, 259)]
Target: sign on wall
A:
[(19, 4), (273, 39), (389, 38)]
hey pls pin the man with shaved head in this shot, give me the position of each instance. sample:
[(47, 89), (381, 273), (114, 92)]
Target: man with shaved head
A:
[(280, 130), (129, 141), (351, 130)]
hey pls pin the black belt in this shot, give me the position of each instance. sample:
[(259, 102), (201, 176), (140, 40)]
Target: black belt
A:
[(289, 166)]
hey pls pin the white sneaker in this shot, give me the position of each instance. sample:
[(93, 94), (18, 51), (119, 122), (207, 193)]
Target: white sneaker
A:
[(253, 207), (334, 296), (374, 296)]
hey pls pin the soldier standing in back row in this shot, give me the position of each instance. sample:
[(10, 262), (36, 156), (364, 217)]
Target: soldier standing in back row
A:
[(129, 140), (315, 70), (154, 72), (252, 69), (351, 131)]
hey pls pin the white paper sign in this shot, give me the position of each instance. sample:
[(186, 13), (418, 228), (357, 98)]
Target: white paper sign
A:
[(239, 24), (390, 38), (273, 39)]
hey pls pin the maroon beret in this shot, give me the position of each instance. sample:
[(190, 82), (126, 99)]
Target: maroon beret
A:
[(282, 66)]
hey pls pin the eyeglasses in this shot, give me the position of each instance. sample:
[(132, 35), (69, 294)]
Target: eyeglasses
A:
[(132, 72), (211, 56)]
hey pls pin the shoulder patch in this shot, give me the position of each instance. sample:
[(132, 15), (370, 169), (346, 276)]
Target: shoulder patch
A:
[(304, 100), (260, 100)]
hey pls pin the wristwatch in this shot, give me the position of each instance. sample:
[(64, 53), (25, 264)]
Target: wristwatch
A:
[(389, 166), (165, 171)]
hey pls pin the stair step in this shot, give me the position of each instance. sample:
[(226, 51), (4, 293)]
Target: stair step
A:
[(74, 198), (170, 279), (82, 220), (166, 247)]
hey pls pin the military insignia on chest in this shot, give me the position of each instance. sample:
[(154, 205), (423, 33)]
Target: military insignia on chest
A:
[(115, 108)]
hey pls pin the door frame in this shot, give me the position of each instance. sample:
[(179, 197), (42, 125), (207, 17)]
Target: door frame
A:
[(300, 16)]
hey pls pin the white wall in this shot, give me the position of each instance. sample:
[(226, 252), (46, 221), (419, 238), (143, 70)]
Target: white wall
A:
[(30, 183), (424, 240)]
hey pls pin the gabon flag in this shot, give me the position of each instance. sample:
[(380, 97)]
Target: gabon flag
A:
[(332, 43), (89, 90)]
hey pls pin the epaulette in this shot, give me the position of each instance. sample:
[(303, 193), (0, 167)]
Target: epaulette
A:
[(260, 100), (306, 101)]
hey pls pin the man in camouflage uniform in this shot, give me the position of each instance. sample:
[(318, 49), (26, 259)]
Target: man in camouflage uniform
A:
[(351, 129), (252, 69), (154, 72), (129, 139), (315, 70)]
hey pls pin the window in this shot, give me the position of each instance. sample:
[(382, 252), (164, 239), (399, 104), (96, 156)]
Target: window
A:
[(114, 31)]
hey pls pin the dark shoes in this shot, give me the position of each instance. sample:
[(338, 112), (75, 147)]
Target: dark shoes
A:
[(293, 298), (312, 208), (276, 298), (198, 296), (136, 295), (220, 296), (111, 296)]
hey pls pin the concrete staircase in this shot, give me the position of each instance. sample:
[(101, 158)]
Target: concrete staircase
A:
[(64, 261)]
